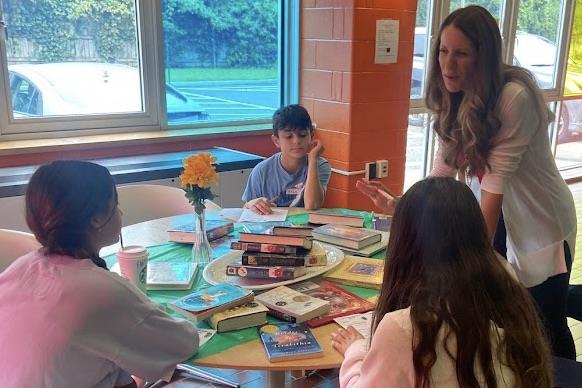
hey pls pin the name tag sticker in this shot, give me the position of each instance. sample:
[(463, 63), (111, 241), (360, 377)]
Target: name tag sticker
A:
[(292, 191)]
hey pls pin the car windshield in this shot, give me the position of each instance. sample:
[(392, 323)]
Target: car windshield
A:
[(534, 50)]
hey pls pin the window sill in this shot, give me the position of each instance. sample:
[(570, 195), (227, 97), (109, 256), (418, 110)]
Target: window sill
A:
[(104, 141)]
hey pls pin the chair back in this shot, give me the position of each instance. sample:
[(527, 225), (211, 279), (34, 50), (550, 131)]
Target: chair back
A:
[(14, 244)]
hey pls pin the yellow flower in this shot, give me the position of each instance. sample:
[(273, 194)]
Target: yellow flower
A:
[(199, 171)]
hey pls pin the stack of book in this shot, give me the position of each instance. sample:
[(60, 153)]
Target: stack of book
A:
[(347, 237), (283, 254)]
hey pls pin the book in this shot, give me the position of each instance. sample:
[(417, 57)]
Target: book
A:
[(289, 341), (290, 305), (342, 302), (383, 223), (305, 231), (315, 257), (215, 229), (371, 249), (256, 272), (324, 216), (346, 236), (265, 248), (239, 317), (361, 322), (358, 271), (203, 303), (263, 238), (170, 275)]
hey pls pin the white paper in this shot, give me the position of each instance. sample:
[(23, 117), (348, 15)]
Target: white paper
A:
[(361, 322), (205, 335), (386, 41), (250, 216), (247, 215)]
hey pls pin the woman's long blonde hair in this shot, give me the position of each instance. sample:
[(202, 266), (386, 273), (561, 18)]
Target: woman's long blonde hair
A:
[(469, 120)]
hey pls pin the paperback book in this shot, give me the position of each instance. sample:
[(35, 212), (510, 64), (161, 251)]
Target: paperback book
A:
[(324, 216), (256, 272), (203, 303), (174, 275), (305, 258), (239, 317), (262, 238), (342, 302), (358, 271), (294, 306), (346, 236), (289, 341), (215, 229), (265, 248)]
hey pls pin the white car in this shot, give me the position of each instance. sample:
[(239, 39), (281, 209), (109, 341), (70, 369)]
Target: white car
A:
[(81, 88)]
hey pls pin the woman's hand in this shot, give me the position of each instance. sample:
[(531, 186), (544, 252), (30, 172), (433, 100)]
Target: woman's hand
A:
[(260, 205), (379, 194), (343, 338)]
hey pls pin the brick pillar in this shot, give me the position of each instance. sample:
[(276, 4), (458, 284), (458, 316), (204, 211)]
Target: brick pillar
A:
[(361, 108)]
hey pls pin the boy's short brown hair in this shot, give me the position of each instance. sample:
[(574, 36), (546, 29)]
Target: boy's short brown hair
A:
[(292, 117)]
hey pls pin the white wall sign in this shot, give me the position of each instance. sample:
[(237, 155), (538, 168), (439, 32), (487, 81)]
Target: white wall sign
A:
[(386, 41)]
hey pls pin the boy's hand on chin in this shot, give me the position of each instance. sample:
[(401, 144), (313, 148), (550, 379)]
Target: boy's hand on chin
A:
[(260, 205), (316, 149)]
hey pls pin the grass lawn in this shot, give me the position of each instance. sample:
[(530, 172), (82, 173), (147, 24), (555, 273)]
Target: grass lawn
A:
[(220, 74)]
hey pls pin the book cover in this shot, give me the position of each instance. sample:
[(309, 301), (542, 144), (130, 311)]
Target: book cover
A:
[(171, 275), (342, 235), (358, 271), (203, 303), (256, 272), (342, 302), (325, 216), (371, 249), (215, 229), (290, 305), (265, 248), (305, 231), (289, 341), (261, 238), (239, 317)]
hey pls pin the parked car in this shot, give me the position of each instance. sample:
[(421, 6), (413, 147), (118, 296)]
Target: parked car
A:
[(533, 52), (79, 88)]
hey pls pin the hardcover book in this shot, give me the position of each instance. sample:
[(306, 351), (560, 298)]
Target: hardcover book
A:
[(305, 231), (358, 271), (342, 301), (290, 305), (203, 303), (279, 273), (371, 249), (239, 317), (166, 275), (314, 257), (215, 229), (324, 216), (289, 341), (346, 236), (265, 248), (261, 238)]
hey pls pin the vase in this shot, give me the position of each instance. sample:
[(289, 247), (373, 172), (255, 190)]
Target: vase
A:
[(201, 249)]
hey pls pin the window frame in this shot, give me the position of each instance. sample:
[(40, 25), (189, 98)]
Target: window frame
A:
[(150, 56)]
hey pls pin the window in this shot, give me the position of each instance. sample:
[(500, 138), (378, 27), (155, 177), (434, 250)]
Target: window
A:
[(90, 64)]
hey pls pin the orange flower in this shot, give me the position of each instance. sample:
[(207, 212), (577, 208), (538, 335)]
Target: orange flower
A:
[(199, 171)]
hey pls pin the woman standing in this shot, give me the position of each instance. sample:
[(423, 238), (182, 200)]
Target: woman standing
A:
[(492, 125)]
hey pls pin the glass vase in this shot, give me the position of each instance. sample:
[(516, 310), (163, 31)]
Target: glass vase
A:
[(201, 249)]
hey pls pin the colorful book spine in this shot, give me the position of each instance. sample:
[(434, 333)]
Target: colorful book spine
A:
[(266, 248), (280, 273), (281, 315), (272, 260), (217, 233)]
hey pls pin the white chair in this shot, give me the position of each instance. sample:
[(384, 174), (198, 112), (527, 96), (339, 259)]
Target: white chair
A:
[(143, 202), (14, 244)]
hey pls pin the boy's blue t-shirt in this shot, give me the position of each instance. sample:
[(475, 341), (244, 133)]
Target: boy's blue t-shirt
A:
[(270, 180)]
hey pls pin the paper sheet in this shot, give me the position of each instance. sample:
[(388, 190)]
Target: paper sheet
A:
[(247, 215), (361, 322)]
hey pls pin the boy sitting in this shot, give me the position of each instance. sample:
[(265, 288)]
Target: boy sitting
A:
[(295, 177)]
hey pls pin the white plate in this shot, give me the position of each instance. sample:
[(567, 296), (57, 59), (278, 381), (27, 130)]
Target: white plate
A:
[(215, 272)]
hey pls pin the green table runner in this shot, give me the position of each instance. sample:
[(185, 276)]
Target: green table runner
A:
[(223, 341)]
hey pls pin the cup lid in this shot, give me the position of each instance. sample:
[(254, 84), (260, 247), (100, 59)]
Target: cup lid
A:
[(132, 249)]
